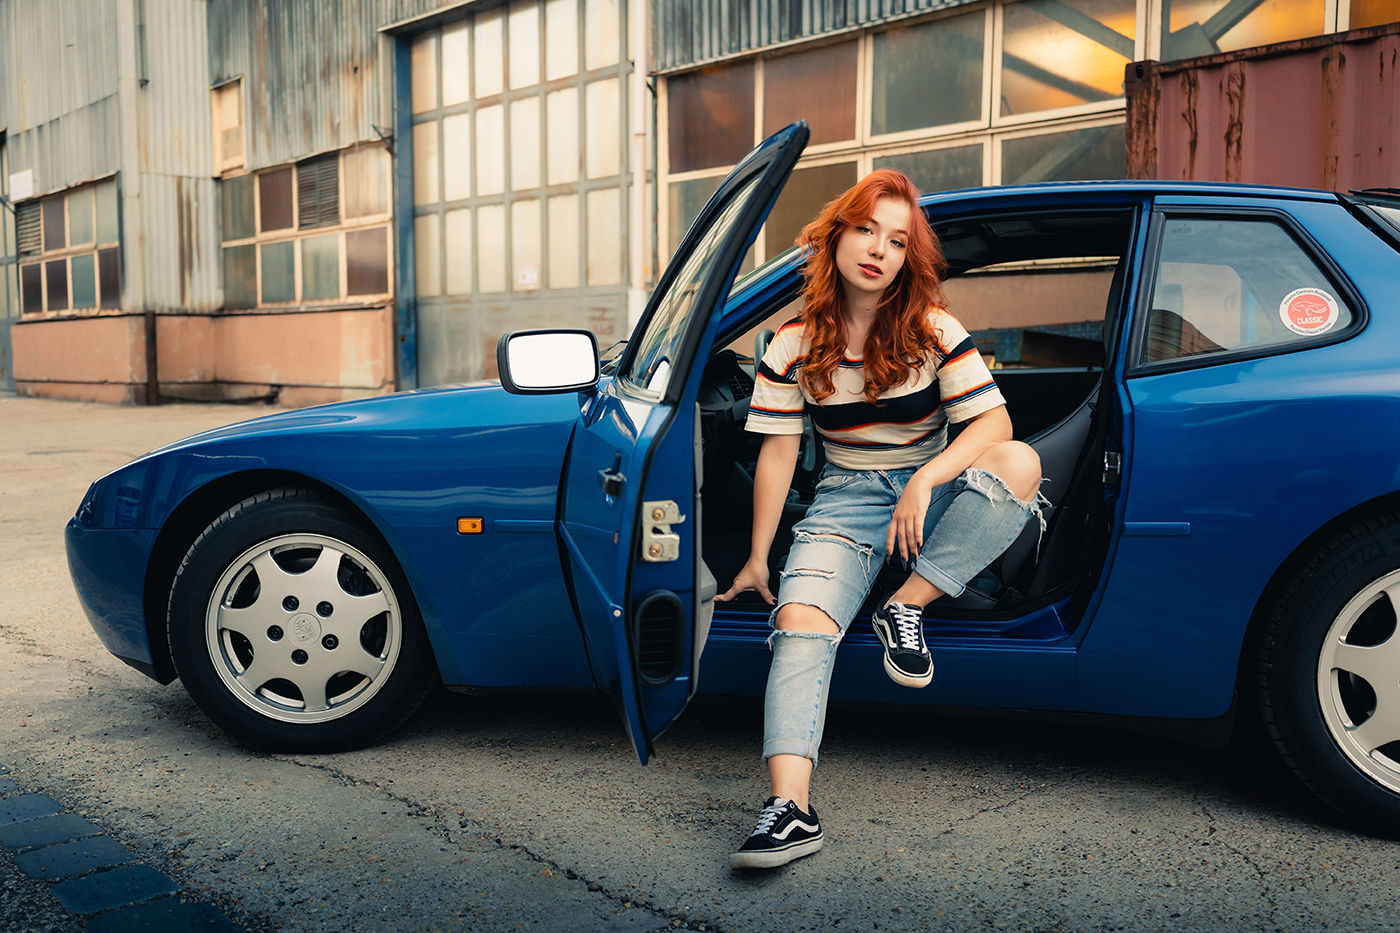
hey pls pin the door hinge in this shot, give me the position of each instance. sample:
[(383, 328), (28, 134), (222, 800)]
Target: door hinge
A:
[(659, 542), (1112, 467)]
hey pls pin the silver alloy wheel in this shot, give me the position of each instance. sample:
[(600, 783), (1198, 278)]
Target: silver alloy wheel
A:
[(1358, 680), (303, 628)]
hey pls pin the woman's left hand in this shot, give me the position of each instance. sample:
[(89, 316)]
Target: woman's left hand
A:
[(907, 525)]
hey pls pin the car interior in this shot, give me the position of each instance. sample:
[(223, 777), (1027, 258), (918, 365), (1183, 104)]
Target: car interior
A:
[(1037, 291)]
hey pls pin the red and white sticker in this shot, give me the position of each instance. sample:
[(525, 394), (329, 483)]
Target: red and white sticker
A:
[(1308, 311)]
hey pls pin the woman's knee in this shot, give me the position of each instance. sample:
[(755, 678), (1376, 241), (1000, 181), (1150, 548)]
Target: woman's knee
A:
[(799, 617), (1016, 464)]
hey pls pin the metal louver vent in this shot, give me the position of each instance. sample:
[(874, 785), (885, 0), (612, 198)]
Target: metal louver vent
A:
[(318, 192), (27, 228)]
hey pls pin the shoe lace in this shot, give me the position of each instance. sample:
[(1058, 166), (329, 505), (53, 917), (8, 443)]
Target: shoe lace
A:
[(907, 620), (768, 817)]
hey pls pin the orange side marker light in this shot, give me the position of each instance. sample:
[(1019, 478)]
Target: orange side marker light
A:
[(469, 526)]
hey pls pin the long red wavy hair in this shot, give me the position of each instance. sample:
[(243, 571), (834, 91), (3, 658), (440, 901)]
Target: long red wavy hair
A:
[(901, 337)]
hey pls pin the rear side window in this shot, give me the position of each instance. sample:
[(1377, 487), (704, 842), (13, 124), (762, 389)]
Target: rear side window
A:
[(1230, 284)]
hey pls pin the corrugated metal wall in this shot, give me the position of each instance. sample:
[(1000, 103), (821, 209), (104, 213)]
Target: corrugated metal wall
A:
[(316, 68), (692, 32), (58, 89), (1321, 112)]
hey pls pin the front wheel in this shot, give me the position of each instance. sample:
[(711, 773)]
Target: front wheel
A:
[(292, 627), (1329, 673)]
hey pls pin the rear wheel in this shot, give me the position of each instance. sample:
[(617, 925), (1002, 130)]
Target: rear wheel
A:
[(291, 626), (1329, 673)]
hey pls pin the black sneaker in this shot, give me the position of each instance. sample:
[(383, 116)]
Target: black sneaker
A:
[(783, 833), (900, 628)]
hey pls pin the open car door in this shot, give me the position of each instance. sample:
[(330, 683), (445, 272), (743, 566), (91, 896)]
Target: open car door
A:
[(629, 512)]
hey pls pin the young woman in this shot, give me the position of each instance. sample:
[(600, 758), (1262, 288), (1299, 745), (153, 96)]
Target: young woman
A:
[(881, 368)]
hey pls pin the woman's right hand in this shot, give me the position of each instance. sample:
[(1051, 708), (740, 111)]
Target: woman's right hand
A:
[(753, 576)]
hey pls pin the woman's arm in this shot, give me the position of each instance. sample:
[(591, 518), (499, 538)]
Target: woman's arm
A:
[(772, 479), (982, 432)]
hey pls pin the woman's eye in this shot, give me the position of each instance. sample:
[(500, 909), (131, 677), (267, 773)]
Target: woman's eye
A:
[(862, 229), (899, 243)]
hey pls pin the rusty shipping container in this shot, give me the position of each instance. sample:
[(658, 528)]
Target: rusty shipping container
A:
[(1322, 112)]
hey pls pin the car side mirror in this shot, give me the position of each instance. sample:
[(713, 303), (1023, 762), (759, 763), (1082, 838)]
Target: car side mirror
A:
[(534, 362)]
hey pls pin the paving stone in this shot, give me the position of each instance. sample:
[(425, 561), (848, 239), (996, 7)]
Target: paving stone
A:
[(45, 831), (4, 769), (129, 884), (8, 786), (26, 807), (160, 916), (70, 859)]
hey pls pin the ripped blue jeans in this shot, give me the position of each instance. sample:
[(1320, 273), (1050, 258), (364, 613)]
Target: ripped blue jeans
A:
[(838, 549)]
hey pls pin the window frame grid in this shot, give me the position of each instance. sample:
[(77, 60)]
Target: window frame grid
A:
[(66, 254), (296, 233)]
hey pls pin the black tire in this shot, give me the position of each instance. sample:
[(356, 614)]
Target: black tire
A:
[(1314, 699), (325, 654)]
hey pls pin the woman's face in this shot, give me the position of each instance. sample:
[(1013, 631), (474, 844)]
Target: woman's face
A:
[(869, 255)]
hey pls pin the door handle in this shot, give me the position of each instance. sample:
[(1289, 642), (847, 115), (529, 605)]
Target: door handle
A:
[(612, 479)]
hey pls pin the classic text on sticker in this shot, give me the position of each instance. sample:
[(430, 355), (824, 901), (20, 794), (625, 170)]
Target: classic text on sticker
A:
[(1308, 311)]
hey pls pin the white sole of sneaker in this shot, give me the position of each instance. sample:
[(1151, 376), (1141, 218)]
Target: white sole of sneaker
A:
[(907, 680), (774, 857)]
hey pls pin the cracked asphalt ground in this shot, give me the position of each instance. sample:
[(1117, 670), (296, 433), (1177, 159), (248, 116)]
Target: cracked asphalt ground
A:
[(530, 812)]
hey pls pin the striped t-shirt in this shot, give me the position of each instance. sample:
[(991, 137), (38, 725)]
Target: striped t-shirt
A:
[(909, 426)]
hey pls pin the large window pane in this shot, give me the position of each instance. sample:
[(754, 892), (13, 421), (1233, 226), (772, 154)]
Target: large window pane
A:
[(525, 143), (488, 63), (235, 207), (427, 251), (686, 200), (939, 169), (560, 39), (240, 276), (366, 182), (929, 74), (456, 65), (55, 227), (425, 163), (603, 145), (423, 55), (107, 212), (1061, 53), (320, 267), (524, 28), (525, 245), (561, 140), (804, 194), (56, 281), (491, 248), (1200, 27), (367, 261), (80, 217), (31, 284), (564, 245), (278, 261), (490, 150), (605, 235), (602, 33), (109, 277), (711, 116), (457, 157), (275, 199), (85, 281), (1074, 156), (459, 251), (788, 81)]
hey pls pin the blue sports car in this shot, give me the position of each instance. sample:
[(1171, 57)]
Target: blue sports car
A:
[(1210, 374)]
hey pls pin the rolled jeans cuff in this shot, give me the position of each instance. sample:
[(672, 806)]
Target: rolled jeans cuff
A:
[(933, 574)]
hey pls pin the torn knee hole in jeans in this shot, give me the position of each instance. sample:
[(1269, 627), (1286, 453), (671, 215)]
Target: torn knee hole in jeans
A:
[(985, 483), (809, 572), (829, 637)]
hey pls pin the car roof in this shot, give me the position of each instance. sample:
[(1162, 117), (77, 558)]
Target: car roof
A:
[(1130, 187)]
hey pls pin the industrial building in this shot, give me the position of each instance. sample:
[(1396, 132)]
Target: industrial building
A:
[(305, 201)]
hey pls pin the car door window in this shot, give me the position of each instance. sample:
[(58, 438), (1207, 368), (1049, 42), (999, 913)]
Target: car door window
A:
[(649, 369), (1229, 284)]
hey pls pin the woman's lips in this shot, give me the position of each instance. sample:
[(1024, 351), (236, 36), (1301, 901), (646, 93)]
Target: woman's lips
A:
[(871, 270)]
